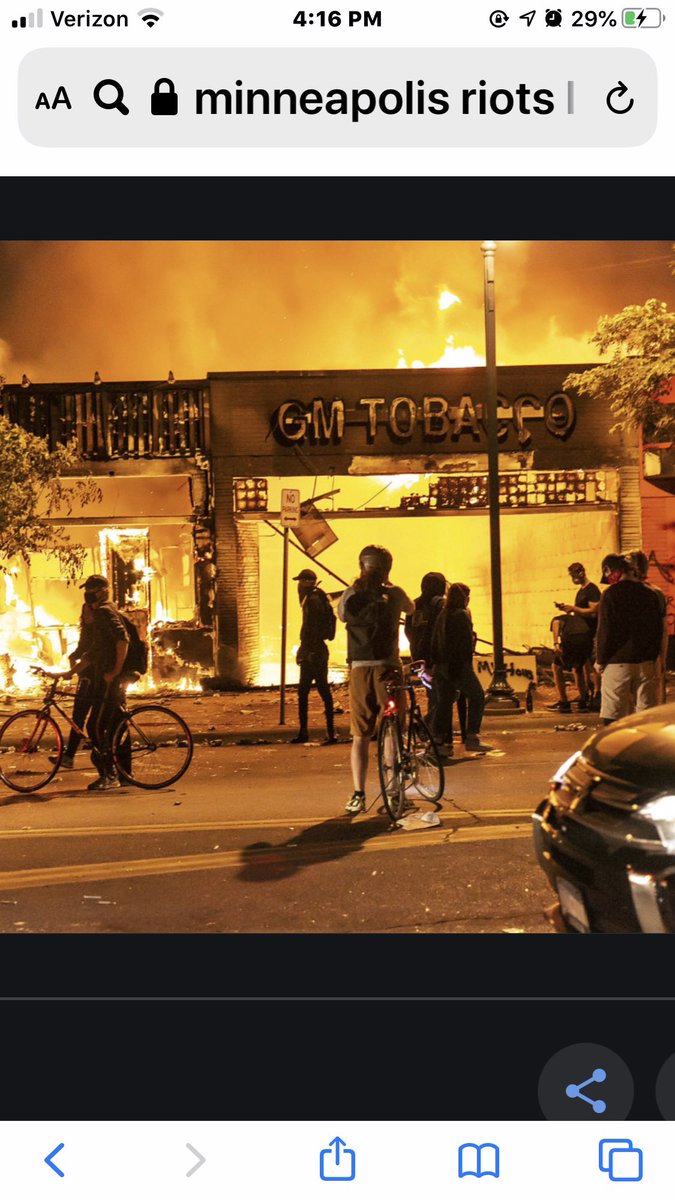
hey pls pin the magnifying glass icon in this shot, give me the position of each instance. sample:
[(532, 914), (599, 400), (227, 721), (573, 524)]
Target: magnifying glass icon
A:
[(118, 100)]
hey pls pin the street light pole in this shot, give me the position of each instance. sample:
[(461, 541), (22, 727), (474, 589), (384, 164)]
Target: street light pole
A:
[(500, 695)]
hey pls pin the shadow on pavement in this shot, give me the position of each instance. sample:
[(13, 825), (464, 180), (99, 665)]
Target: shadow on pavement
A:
[(329, 840)]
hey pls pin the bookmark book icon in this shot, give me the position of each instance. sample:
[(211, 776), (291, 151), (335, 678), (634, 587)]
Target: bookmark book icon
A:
[(479, 1160)]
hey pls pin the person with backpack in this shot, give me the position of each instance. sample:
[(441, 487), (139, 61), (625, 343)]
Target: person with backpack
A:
[(318, 627), (452, 647), (105, 659), (371, 609), (419, 624), (575, 634)]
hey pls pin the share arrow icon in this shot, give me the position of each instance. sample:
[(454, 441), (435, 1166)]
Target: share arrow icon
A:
[(529, 17), (197, 1165)]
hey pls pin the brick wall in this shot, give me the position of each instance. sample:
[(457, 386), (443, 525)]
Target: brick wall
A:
[(248, 598), (237, 582)]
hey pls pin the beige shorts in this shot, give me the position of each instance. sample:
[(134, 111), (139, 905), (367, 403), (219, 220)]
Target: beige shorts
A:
[(627, 688), (368, 695)]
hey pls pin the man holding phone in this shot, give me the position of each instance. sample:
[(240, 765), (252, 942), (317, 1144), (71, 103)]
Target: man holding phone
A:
[(577, 635)]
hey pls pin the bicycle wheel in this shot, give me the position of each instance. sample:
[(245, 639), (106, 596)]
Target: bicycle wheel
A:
[(152, 747), (28, 741), (390, 766), (426, 772)]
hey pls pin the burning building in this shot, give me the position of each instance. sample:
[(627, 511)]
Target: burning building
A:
[(149, 530), (191, 473), (405, 454)]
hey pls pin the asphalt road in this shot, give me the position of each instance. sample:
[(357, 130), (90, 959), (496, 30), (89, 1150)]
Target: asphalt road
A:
[(255, 839)]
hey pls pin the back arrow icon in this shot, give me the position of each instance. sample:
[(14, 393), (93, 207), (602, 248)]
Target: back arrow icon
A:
[(619, 92), (196, 1153), (50, 1156)]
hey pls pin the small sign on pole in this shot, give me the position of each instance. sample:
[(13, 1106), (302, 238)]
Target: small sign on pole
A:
[(290, 507)]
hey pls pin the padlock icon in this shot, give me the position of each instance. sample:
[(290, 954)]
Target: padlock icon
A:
[(164, 99)]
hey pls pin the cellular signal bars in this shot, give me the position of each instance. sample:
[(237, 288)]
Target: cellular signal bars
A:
[(30, 22)]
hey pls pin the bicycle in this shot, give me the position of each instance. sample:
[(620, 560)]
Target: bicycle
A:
[(159, 746), (407, 755)]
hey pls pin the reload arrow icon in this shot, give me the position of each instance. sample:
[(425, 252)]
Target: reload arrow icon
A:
[(50, 1156), (619, 92), (197, 1165)]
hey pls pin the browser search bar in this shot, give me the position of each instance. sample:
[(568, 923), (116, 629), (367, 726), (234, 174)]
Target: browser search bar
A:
[(337, 97)]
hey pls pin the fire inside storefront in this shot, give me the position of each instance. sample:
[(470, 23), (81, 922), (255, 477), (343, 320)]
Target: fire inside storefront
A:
[(149, 530), (191, 474)]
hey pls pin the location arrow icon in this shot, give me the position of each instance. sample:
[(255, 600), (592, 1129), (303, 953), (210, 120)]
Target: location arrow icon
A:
[(51, 1155), (529, 17), (197, 1165)]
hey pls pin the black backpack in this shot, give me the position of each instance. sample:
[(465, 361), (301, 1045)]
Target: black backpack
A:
[(136, 661), (328, 618), (372, 632), (575, 633)]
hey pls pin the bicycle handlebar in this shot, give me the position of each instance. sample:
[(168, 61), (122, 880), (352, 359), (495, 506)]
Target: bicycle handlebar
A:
[(51, 674)]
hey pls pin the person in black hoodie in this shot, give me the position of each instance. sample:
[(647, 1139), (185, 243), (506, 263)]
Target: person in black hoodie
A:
[(419, 625), (453, 673), (630, 632)]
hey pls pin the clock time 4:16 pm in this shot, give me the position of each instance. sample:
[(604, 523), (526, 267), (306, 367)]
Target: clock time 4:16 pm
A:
[(335, 18)]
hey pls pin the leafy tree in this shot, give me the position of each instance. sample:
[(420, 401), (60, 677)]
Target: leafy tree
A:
[(641, 342), (33, 488)]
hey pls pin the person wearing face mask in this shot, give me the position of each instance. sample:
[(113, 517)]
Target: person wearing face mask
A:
[(630, 631), (318, 626), (577, 640), (104, 660)]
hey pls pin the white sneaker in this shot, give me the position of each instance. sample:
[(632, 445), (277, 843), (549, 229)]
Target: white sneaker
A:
[(356, 803)]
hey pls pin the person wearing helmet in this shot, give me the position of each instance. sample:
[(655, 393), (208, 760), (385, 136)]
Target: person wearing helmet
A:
[(371, 609)]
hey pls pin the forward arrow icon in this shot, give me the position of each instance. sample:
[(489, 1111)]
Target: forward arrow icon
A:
[(197, 1165)]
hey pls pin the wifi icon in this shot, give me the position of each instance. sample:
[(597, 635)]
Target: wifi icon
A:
[(150, 16)]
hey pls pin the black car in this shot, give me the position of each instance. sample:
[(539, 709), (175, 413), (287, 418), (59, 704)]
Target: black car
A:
[(605, 836)]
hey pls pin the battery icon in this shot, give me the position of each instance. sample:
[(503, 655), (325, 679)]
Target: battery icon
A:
[(641, 18)]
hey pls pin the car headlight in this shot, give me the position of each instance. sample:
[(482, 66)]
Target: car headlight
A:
[(559, 777), (661, 812)]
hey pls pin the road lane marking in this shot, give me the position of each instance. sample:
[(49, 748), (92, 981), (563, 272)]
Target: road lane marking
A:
[(289, 823), (137, 868)]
